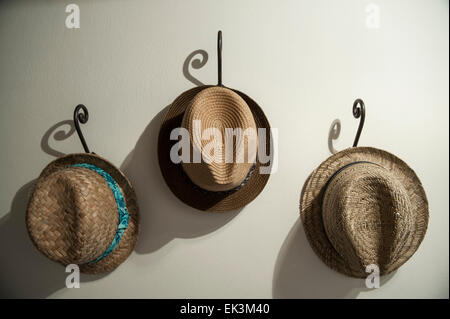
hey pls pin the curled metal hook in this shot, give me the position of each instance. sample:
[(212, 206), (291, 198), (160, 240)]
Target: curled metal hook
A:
[(81, 117), (219, 57), (359, 111)]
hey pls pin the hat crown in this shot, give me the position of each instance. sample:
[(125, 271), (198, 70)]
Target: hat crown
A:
[(220, 110), (72, 216), (367, 217)]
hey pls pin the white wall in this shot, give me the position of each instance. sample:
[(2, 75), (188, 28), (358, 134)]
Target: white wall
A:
[(303, 61)]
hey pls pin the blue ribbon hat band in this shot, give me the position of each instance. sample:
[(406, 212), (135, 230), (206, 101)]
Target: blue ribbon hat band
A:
[(124, 216)]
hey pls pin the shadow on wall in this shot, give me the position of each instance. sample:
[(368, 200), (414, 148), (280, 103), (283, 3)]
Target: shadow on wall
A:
[(58, 136), (299, 273), (163, 216), (25, 272), (196, 64), (333, 134)]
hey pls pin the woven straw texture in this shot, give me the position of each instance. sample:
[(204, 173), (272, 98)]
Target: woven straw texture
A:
[(72, 216), (178, 181), (369, 214), (219, 108)]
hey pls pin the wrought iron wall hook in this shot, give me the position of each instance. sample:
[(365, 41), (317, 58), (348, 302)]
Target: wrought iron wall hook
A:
[(219, 57), (81, 117), (359, 111)]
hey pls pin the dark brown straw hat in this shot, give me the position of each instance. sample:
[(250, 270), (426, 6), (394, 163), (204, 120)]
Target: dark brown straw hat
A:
[(84, 211), (364, 206), (213, 187)]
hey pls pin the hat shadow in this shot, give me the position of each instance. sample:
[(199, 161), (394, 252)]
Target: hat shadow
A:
[(163, 217), (299, 272), (26, 273)]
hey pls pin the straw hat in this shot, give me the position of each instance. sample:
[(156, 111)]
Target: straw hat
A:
[(83, 210), (216, 182), (214, 186), (364, 206)]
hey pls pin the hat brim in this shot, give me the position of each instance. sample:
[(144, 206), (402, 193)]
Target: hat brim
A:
[(176, 179), (312, 192), (129, 237)]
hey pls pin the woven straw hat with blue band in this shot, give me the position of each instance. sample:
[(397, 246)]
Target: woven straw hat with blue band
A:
[(83, 210)]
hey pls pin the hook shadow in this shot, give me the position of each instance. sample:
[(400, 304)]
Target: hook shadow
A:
[(163, 216), (196, 64), (333, 134), (299, 273), (26, 273), (58, 136)]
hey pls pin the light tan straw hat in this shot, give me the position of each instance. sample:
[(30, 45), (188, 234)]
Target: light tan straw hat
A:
[(83, 210), (215, 183), (364, 206)]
